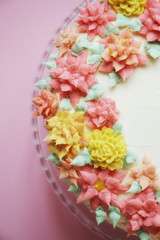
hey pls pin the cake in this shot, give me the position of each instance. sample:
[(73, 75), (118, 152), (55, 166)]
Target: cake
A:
[(101, 104)]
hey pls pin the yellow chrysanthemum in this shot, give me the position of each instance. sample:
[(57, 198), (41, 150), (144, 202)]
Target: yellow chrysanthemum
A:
[(107, 148), (129, 7), (65, 133)]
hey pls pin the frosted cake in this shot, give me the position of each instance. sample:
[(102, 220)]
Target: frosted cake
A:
[(101, 104)]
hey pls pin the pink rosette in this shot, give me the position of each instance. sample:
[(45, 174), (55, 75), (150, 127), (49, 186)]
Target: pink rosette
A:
[(151, 21), (73, 77), (47, 104), (101, 113), (121, 54), (143, 212), (101, 187), (94, 18)]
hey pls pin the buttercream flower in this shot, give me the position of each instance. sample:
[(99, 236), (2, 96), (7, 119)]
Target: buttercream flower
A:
[(145, 175), (107, 148), (101, 113), (101, 187), (73, 77), (143, 212), (47, 104), (68, 171), (128, 7), (94, 18), (65, 133), (121, 54), (66, 39), (151, 21)]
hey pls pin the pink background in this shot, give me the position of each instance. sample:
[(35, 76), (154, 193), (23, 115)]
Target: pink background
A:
[(29, 209)]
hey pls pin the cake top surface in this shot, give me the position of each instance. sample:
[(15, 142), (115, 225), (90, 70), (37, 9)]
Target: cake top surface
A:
[(104, 77)]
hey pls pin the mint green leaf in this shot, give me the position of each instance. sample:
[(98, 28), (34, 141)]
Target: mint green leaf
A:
[(114, 79), (65, 104), (102, 1), (130, 158), (111, 29), (53, 56), (81, 107), (157, 193), (77, 49), (82, 159), (100, 215), (53, 158), (96, 48), (135, 25), (117, 127), (135, 188), (50, 65), (74, 188), (114, 215), (43, 83), (121, 21), (95, 59), (94, 92), (153, 49), (143, 235)]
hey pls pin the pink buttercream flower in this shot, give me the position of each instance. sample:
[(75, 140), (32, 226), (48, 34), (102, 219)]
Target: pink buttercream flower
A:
[(47, 104), (73, 77), (145, 175), (143, 212), (121, 54), (100, 187), (151, 21), (101, 113), (94, 18), (66, 39), (68, 171)]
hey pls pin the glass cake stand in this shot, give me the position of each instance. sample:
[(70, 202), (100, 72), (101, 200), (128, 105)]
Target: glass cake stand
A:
[(105, 230)]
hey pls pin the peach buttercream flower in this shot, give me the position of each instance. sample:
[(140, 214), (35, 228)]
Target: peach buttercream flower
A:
[(68, 171), (107, 148), (94, 18), (121, 54), (101, 187), (65, 133), (145, 175), (66, 39), (73, 77), (47, 104), (101, 113), (129, 7), (143, 212), (151, 21)]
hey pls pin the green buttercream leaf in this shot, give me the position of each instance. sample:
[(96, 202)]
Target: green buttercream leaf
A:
[(53, 158), (77, 49), (114, 79), (153, 49), (157, 193), (96, 48), (134, 24), (114, 215), (95, 59), (84, 42), (94, 92), (43, 83), (130, 158), (143, 235), (100, 215), (65, 104), (135, 188), (53, 56), (50, 65), (110, 29), (82, 159), (74, 188), (102, 1), (117, 127), (81, 107)]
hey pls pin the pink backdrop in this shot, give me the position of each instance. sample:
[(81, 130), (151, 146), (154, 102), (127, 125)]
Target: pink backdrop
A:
[(29, 210)]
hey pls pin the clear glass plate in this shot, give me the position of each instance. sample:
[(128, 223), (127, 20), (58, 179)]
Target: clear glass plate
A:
[(105, 230)]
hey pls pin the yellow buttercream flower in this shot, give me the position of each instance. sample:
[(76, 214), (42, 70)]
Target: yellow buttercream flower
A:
[(107, 148), (65, 133), (129, 7)]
